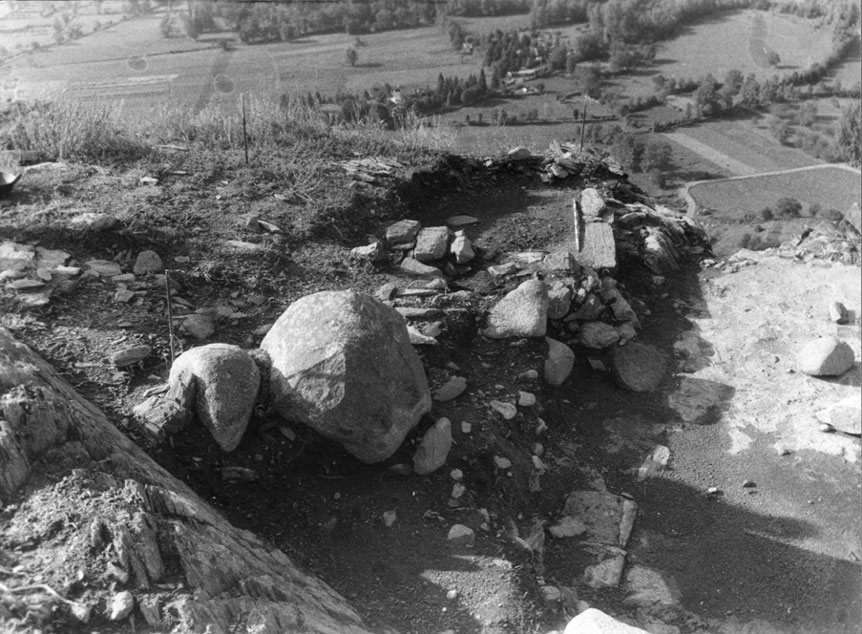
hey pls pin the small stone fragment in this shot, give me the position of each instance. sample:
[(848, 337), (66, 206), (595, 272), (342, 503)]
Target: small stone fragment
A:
[(416, 267), (551, 595), (526, 399), (129, 356), (838, 313), (451, 595), (466, 427), (458, 490), (431, 243), (103, 268), (148, 262), (559, 362), (434, 448), (568, 527), (373, 252), (845, 415), (461, 220), (502, 463), (389, 518), (402, 232), (461, 535), (521, 313), (199, 327), (506, 410), (456, 474), (121, 605), (462, 249), (519, 153), (606, 574), (598, 335), (748, 484), (453, 388), (592, 203)]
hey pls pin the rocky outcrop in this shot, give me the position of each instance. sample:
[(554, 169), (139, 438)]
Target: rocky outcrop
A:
[(342, 363)]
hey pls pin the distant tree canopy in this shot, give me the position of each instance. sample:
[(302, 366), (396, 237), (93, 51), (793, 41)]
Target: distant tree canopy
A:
[(850, 133)]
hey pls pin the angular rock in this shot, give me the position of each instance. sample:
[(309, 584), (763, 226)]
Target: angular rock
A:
[(593, 621), (434, 448), (521, 313), (568, 527), (620, 307), (638, 367), (461, 535), (373, 252), (95, 221), (416, 267), (431, 243), (500, 270), (131, 355), (559, 261), (462, 249), (559, 300), (199, 327), (103, 268), (386, 291), (121, 605), (519, 153), (402, 232), (343, 364), (606, 574), (598, 335), (592, 203), (559, 362), (591, 309), (845, 415), (526, 399), (453, 388), (598, 249), (600, 511), (838, 313), (220, 382), (461, 220), (826, 356), (506, 410), (420, 339), (148, 262)]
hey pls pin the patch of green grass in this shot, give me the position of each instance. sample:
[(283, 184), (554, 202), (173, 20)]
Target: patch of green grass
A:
[(829, 187)]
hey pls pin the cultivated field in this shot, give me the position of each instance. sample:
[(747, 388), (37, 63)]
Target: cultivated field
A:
[(736, 40), (740, 147), (132, 62), (830, 187)]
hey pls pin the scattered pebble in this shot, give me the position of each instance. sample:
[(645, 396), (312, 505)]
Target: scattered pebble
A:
[(502, 462), (748, 484), (541, 427), (460, 534), (458, 491), (389, 518), (713, 491), (506, 410), (466, 427), (456, 474), (526, 399), (538, 449), (451, 595)]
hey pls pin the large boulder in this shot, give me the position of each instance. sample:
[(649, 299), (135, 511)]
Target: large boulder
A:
[(521, 313), (342, 363), (826, 356), (220, 382)]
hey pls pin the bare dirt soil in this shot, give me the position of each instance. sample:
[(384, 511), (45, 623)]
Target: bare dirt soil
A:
[(731, 563)]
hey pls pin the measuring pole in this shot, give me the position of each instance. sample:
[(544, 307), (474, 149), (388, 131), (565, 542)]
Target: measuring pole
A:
[(244, 134), (584, 123)]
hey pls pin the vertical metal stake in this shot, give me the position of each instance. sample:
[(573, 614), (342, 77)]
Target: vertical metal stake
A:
[(584, 123), (244, 134), (170, 313)]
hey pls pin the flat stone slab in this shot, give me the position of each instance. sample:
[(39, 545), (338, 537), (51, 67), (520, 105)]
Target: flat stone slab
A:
[(599, 250)]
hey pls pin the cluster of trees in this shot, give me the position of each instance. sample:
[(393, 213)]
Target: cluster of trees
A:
[(477, 8), (282, 21)]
